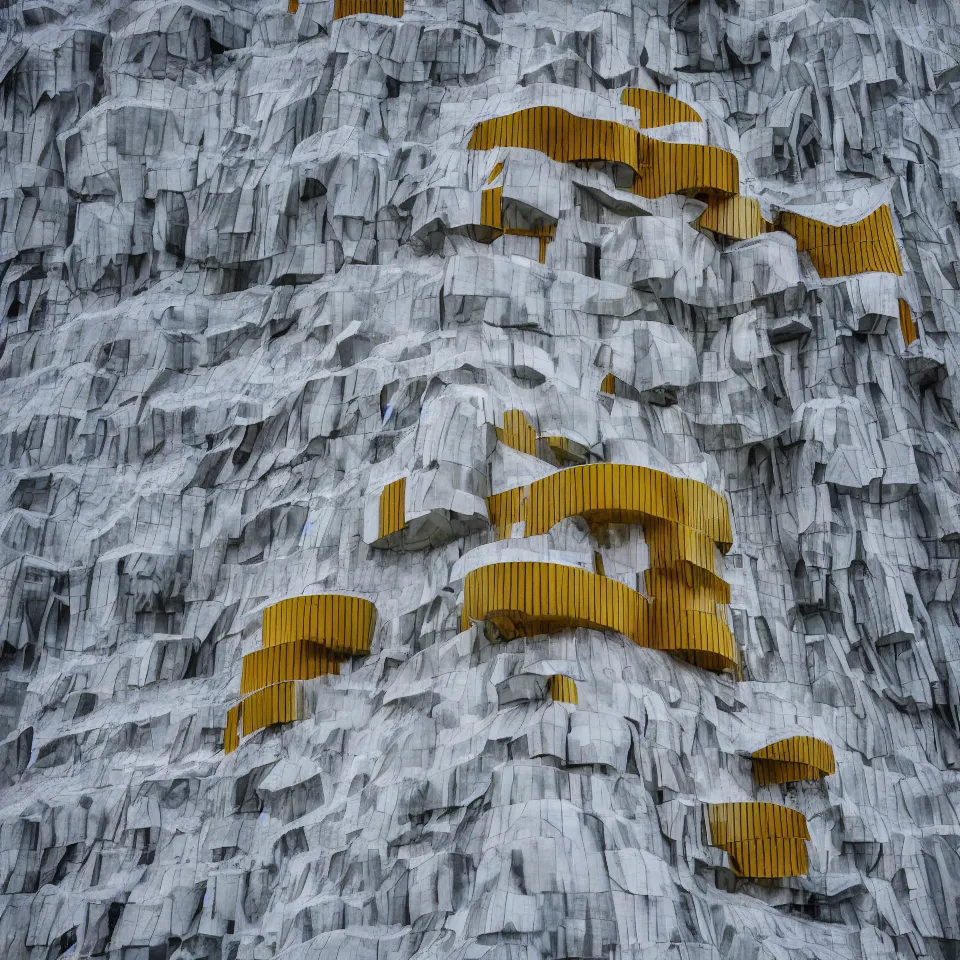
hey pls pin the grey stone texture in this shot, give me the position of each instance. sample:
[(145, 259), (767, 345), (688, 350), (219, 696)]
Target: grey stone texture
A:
[(241, 291)]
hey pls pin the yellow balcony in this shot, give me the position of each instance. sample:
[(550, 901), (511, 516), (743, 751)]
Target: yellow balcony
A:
[(763, 840), (341, 624), (296, 660), (795, 758), (528, 598), (868, 245)]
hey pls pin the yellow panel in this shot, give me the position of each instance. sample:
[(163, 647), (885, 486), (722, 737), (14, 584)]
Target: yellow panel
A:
[(609, 384), (350, 8), (293, 6), (762, 839), (862, 247), (767, 859), (231, 736), (491, 203), (660, 168), (392, 508), (341, 624), (738, 218), (795, 758), (497, 170), (560, 135), (526, 599), (278, 703), (684, 167), (908, 326), (562, 689), (518, 433), (683, 521), (659, 109), (296, 660)]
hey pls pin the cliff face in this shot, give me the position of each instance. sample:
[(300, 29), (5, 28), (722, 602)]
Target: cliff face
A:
[(284, 310)]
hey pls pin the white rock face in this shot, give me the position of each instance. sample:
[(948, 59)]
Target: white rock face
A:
[(242, 289)]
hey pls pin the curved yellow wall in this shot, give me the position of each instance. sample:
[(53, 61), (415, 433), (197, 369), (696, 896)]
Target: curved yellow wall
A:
[(341, 624), (517, 432), (660, 168), (865, 246), (296, 660), (278, 703), (350, 8), (524, 599), (303, 638), (392, 508), (619, 493), (738, 218), (763, 840), (562, 689), (683, 521), (908, 326), (794, 758), (684, 167), (658, 109)]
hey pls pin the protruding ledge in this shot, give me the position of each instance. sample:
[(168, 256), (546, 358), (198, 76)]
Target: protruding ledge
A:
[(794, 758), (763, 840)]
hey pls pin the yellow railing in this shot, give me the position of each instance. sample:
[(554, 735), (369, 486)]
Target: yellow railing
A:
[(658, 109), (791, 759), (763, 840)]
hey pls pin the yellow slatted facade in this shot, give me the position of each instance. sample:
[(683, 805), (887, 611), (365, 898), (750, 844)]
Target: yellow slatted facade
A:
[(562, 136), (344, 625), (525, 599), (658, 109), (278, 703), (660, 168), (293, 6), (383, 8), (297, 660), (562, 689), (684, 167), (792, 759), (303, 638), (869, 245), (683, 521), (517, 432), (738, 218), (491, 215), (763, 840), (491, 205), (393, 515), (908, 326), (609, 384)]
